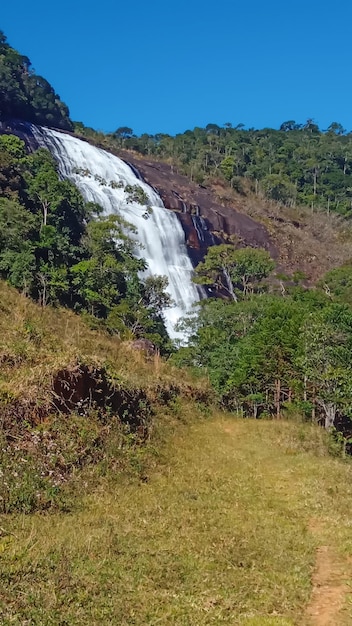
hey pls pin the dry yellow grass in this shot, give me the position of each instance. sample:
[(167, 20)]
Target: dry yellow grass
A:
[(224, 529), (214, 521), (72, 397)]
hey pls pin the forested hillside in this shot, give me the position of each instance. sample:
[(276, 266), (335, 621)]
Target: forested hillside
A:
[(299, 164), (24, 94)]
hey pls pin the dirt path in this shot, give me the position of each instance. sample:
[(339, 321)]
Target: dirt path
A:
[(329, 586)]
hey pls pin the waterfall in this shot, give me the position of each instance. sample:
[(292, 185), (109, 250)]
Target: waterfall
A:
[(101, 178)]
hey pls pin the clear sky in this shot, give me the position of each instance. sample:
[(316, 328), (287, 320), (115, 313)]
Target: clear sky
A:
[(163, 66)]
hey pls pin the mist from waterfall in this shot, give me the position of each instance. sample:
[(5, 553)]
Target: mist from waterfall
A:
[(101, 178)]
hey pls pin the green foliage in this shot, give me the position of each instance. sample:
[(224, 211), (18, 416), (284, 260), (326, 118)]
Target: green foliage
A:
[(270, 354), (25, 95), (228, 269), (135, 193), (338, 282), (13, 146)]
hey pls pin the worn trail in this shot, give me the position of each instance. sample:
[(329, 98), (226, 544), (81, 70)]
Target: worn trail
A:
[(329, 589)]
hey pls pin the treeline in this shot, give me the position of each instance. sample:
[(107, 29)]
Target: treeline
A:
[(58, 249), (273, 347), (299, 164), (25, 95)]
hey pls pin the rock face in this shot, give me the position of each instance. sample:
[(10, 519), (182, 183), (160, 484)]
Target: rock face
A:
[(143, 345), (203, 218)]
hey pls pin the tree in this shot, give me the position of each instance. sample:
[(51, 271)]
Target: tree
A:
[(227, 166), (217, 269), (25, 95), (121, 134), (18, 241), (287, 126), (279, 188), (213, 129), (124, 132), (252, 266), (336, 128), (140, 313), (326, 363), (154, 294), (337, 284), (227, 269), (101, 278)]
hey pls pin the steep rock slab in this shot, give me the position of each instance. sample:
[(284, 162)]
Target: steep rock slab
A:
[(198, 209)]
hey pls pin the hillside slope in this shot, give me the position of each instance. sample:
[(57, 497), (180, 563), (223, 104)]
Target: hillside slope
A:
[(299, 239), (72, 399)]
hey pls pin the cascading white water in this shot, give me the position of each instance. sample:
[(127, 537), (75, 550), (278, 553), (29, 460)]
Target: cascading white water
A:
[(161, 235)]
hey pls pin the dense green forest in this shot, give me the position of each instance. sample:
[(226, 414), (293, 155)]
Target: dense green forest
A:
[(295, 165), (271, 349)]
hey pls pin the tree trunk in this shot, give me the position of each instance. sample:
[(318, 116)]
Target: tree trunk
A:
[(229, 284), (43, 292), (305, 388), (330, 414), (278, 397), (313, 405), (45, 206), (315, 176)]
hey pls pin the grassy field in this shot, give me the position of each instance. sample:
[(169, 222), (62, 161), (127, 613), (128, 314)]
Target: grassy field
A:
[(233, 522)]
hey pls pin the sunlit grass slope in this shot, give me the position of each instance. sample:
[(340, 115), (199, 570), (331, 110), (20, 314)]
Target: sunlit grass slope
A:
[(74, 401), (36, 342), (223, 529)]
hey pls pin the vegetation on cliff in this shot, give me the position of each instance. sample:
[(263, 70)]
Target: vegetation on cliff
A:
[(25, 95)]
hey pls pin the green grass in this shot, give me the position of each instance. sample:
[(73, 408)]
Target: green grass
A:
[(217, 530)]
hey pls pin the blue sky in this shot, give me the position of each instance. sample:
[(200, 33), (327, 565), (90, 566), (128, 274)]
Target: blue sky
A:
[(169, 66)]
